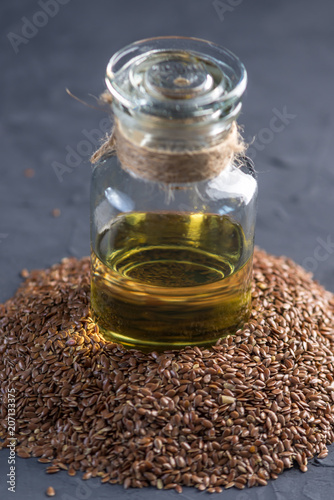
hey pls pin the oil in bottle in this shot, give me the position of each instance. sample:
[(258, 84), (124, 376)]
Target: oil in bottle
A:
[(164, 280)]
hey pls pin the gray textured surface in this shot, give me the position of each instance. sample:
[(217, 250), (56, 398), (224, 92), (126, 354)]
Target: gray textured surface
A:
[(287, 48)]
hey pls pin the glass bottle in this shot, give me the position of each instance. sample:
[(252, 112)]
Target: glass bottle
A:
[(171, 257)]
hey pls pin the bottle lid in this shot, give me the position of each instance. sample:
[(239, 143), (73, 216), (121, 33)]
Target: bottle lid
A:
[(177, 78)]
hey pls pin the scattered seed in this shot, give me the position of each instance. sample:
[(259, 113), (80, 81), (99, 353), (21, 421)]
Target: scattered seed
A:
[(50, 491), (56, 212), (323, 454), (24, 273), (29, 172), (52, 470)]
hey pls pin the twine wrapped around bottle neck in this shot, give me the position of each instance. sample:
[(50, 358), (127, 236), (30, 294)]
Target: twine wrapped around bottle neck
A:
[(171, 167)]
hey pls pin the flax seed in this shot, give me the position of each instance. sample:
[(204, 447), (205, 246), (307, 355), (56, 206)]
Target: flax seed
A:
[(235, 415), (50, 491)]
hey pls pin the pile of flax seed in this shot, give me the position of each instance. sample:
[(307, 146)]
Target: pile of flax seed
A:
[(237, 414)]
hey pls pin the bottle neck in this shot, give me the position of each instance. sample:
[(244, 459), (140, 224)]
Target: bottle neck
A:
[(170, 135), (175, 154)]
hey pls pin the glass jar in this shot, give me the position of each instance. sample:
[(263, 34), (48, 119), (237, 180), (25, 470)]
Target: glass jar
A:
[(172, 214)]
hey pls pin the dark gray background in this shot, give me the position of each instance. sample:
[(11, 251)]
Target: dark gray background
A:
[(287, 47)]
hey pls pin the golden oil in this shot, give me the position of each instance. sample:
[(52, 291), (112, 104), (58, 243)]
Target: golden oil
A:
[(166, 280)]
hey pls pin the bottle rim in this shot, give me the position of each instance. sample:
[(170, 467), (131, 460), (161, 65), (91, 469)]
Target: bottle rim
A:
[(176, 77)]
